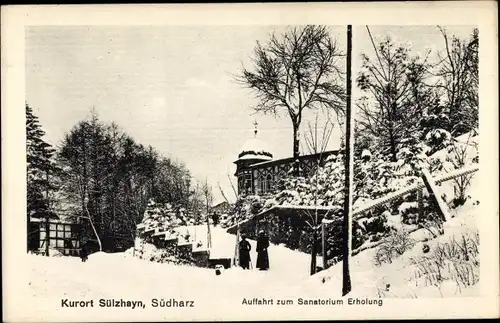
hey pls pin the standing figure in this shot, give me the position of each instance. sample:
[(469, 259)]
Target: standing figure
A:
[(244, 251), (84, 252), (215, 218), (262, 256)]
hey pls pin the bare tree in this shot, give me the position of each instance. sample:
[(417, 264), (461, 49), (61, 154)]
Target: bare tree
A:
[(83, 190), (460, 156), (393, 100), (236, 249), (458, 76), (208, 197), (296, 71), (316, 145), (232, 186)]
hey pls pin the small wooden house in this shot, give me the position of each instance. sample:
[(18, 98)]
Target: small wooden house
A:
[(60, 235)]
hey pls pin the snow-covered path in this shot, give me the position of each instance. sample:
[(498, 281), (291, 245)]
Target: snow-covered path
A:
[(120, 275), (285, 264)]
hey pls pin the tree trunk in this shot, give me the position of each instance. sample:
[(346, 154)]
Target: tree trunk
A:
[(393, 146), (296, 151), (314, 252), (93, 228), (347, 219), (420, 201), (323, 245)]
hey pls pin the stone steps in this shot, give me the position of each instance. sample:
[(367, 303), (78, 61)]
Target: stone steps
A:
[(185, 250)]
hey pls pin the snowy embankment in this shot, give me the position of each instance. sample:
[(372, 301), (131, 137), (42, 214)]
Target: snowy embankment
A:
[(398, 279)]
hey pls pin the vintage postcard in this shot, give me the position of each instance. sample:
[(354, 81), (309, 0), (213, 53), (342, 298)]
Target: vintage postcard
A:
[(250, 162)]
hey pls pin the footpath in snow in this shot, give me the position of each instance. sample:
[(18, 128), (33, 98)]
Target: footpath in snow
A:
[(109, 275)]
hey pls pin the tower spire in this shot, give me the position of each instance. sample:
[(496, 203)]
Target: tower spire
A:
[(255, 130)]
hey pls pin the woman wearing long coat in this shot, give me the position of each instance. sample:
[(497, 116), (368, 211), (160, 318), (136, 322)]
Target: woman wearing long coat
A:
[(262, 256), (244, 252)]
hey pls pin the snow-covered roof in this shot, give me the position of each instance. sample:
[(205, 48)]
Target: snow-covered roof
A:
[(255, 149), (295, 209), (56, 221)]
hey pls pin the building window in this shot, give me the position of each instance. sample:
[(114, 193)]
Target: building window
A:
[(248, 183), (241, 183), (263, 186), (269, 182), (61, 236)]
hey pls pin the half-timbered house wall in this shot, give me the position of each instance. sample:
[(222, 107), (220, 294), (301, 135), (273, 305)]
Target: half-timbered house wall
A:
[(261, 177)]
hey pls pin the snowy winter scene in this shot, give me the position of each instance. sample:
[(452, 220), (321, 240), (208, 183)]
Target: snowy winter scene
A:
[(263, 168)]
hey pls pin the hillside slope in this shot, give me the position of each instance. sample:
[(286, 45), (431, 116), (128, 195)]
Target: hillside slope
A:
[(404, 276)]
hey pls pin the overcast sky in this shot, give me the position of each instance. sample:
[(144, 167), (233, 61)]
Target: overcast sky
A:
[(172, 87)]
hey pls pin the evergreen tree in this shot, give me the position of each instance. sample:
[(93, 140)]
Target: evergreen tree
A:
[(40, 169)]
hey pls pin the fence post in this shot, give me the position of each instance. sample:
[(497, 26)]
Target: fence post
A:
[(236, 259), (434, 195), (323, 244)]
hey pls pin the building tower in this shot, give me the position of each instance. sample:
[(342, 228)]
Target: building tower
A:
[(253, 151)]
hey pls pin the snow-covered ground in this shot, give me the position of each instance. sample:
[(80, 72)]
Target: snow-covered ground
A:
[(122, 276), (108, 275), (368, 280)]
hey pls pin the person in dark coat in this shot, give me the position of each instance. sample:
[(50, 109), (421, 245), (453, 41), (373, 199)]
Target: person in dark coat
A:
[(262, 256), (215, 218), (84, 252), (244, 252)]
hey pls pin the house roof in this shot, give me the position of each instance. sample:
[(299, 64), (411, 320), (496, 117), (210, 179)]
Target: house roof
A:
[(292, 210), (255, 149), (290, 159)]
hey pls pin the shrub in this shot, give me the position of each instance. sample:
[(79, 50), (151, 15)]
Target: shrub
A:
[(393, 246), (456, 260)]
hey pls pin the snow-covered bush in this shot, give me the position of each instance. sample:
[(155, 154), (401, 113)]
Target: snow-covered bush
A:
[(393, 246), (245, 207), (374, 177), (163, 217), (438, 138), (334, 239), (459, 152), (374, 226)]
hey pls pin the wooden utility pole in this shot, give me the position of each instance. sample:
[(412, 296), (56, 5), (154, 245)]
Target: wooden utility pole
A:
[(47, 215), (208, 199), (347, 219)]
